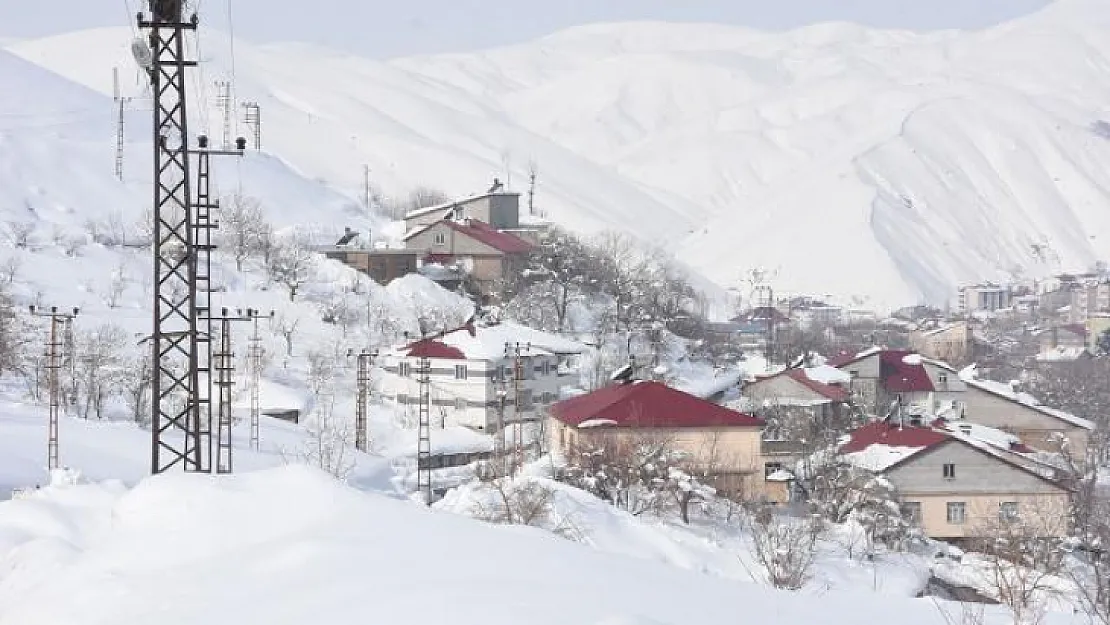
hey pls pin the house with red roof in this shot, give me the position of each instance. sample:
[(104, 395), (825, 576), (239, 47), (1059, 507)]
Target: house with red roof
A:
[(882, 379), (717, 440), (485, 253), (956, 479), (483, 377)]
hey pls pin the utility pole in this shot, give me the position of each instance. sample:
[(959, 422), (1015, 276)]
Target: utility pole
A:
[(366, 187), (532, 171), (362, 404), (70, 364), (512, 350), (424, 442), (224, 365), (765, 299), (176, 410), (224, 101), (121, 106), (54, 346), (252, 116), (256, 353)]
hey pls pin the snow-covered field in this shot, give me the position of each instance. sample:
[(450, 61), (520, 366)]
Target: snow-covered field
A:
[(885, 165)]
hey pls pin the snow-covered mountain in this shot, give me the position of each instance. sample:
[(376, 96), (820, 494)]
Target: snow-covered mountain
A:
[(888, 165)]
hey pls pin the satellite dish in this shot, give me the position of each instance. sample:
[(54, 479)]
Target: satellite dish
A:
[(142, 53)]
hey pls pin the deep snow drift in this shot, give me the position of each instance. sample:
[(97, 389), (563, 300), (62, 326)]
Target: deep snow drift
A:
[(290, 545), (885, 165)]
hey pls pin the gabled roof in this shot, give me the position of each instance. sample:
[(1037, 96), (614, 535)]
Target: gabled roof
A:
[(802, 376), (487, 342), (901, 372), (1006, 392), (504, 242), (646, 405), (447, 207), (884, 445)]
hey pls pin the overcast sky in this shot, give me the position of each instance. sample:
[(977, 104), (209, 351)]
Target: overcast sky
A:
[(403, 27)]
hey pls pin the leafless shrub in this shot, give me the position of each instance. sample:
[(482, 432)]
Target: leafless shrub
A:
[(20, 233), (785, 547), (524, 501)]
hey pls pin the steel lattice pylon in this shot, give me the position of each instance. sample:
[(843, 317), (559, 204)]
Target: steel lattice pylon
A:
[(176, 410)]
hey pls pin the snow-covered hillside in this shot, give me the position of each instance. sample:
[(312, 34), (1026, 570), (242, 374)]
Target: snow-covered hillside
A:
[(887, 165)]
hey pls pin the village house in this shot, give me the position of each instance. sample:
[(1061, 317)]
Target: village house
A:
[(998, 405), (883, 379), (721, 442), (950, 342), (956, 480), (497, 208), (484, 253), (819, 393), (480, 374)]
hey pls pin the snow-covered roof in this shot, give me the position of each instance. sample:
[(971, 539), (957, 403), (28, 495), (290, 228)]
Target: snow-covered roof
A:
[(1062, 354), (477, 342), (450, 205), (940, 330), (970, 377)]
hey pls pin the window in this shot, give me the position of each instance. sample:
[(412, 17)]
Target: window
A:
[(460, 404), (949, 471), (460, 372), (440, 238), (942, 378), (1008, 511), (404, 369), (402, 399), (957, 512), (911, 510), (526, 399), (770, 468), (854, 374)]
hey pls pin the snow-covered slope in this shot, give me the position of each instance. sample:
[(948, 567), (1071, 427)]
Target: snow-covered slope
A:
[(292, 546), (851, 161)]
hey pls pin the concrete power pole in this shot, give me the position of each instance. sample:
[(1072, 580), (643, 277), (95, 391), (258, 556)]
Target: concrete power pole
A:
[(121, 107), (256, 353), (424, 442), (362, 404), (54, 356)]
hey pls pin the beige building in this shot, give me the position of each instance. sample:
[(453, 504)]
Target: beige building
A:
[(1097, 326), (958, 480), (722, 442), (998, 405), (950, 342), (479, 250)]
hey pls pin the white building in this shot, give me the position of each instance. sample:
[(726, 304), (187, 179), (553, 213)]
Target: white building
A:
[(985, 298), (473, 369)]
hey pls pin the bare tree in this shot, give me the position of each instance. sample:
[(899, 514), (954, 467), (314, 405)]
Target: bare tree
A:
[(13, 335), (286, 325), (1024, 558), (292, 264), (327, 445), (9, 269), (118, 286), (99, 367), (135, 384), (785, 547), (20, 233), (243, 228), (523, 501), (321, 370), (630, 472)]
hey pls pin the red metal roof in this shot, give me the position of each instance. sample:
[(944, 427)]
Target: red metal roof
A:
[(1077, 329), (501, 241), (431, 348), (648, 405), (835, 393), (900, 377), (892, 435), (842, 358)]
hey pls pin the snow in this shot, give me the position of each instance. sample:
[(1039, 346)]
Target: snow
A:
[(1062, 354), (974, 431), (596, 423), (75, 551), (879, 457), (939, 158), (489, 341), (912, 359), (970, 376), (828, 375)]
